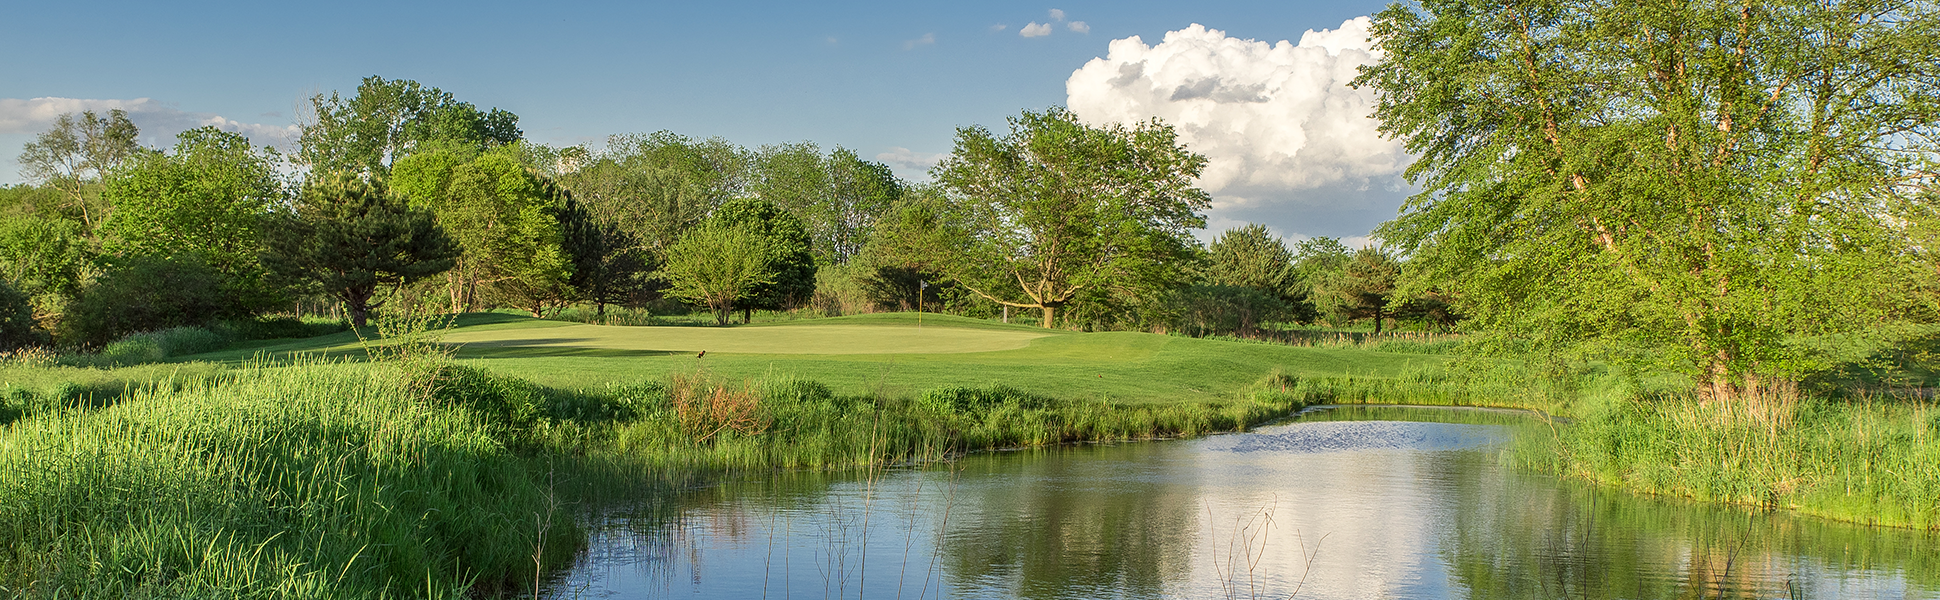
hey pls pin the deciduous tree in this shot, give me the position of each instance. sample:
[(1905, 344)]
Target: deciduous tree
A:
[(1057, 208), (717, 265), (1710, 186), (791, 258), (75, 155), (390, 118)]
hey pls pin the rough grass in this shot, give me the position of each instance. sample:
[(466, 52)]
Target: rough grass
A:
[(1862, 461), (323, 481)]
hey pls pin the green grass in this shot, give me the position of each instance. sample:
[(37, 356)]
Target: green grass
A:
[(886, 355), (1860, 461), (319, 481)]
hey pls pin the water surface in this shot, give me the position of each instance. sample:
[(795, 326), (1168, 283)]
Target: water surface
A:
[(1345, 503)]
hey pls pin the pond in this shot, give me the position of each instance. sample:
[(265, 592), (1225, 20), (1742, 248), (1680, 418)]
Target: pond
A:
[(1351, 502)]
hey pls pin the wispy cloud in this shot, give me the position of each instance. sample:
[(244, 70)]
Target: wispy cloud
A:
[(927, 39), (158, 122), (1035, 29), (1078, 26), (999, 27), (1057, 15), (907, 159)]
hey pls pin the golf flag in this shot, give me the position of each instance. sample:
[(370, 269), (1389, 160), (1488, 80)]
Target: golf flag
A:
[(922, 285)]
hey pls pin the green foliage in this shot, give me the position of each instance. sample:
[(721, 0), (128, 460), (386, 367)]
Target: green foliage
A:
[(1695, 186), (18, 329), (28, 200), (966, 400), (347, 237), (790, 262), (1253, 257), (45, 259), (312, 482), (207, 198), (717, 265), (507, 218), (75, 156), (1869, 462), (1363, 288), (657, 186), (838, 196), (390, 119), (1057, 209), (608, 265), (1204, 310), (147, 293)]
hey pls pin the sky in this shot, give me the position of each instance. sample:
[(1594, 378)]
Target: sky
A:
[(1255, 86)]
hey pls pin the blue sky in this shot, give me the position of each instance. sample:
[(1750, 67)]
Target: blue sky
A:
[(874, 77)]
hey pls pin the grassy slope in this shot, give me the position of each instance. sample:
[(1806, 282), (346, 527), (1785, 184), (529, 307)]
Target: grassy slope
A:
[(884, 354)]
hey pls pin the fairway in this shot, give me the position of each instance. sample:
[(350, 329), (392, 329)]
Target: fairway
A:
[(796, 339), (884, 354)]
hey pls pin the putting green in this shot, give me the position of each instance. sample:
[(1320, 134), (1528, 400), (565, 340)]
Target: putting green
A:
[(825, 339)]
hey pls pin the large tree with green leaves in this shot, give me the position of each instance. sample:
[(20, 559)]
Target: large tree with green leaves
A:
[(1362, 288), (46, 259), (1253, 257), (1057, 208), (390, 118), (1708, 186), (791, 258), (717, 265), (350, 238), (207, 197), (506, 217), (837, 195), (654, 187), (76, 155)]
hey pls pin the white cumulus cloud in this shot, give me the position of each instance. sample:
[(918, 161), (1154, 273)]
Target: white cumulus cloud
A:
[(1078, 26), (1035, 29), (1057, 15), (158, 122), (1288, 143)]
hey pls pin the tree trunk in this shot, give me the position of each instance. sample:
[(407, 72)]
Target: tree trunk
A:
[(1050, 316)]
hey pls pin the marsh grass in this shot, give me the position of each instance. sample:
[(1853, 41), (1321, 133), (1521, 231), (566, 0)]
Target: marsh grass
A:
[(1867, 459), (322, 480)]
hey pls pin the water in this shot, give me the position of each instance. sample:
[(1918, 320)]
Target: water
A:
[(1349, 503)]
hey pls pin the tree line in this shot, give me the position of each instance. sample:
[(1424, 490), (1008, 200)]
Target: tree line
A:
[(1740, 193), (401, 186)]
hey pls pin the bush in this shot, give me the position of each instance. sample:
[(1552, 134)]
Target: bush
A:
[(964, 400), (276, 328), (1225, 310), (146, 294), (17, 327)]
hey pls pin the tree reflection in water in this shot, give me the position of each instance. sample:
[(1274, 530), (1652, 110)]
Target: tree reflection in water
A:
[(1417, 506)]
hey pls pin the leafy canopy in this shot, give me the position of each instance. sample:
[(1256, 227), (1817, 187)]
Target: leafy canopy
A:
[(1704, 186), (1056, 209)]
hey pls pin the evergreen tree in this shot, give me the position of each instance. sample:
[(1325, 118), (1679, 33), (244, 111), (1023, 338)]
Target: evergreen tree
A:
[(350, 238)]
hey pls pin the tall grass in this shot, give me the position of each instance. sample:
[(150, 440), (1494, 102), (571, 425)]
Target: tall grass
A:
[(321, 481), (1866, 460), (696, 422)]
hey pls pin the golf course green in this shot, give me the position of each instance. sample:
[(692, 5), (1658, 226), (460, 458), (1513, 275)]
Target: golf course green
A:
[(880, 354)]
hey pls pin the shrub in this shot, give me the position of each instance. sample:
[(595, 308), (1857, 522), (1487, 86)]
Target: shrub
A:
[(146, 294), (965, 400), (17, 326)]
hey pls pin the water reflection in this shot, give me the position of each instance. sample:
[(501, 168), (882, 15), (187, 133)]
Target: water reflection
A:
[(1351, 503)]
